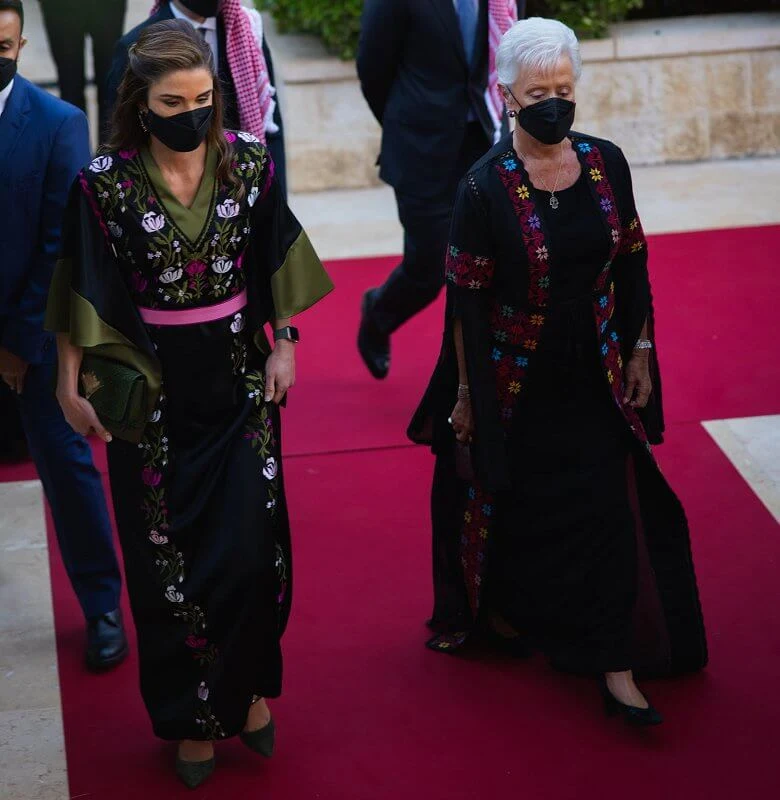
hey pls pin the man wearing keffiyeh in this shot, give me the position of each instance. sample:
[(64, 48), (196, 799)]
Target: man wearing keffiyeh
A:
[(235, 35), (428, 72)]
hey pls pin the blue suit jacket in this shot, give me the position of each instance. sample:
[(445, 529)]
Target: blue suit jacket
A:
[(44, 142)]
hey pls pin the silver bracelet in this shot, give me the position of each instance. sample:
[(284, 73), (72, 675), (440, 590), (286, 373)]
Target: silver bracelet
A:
[(464, 393), (643, 344)]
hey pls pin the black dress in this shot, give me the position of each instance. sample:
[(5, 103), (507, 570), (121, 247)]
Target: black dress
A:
[(566, 574), (567, 527), (198, 488)]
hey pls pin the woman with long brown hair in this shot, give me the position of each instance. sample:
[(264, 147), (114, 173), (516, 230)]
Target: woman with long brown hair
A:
[(178, 249)]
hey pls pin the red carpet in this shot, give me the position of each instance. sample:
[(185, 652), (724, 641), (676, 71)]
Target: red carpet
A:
[(368, 713)]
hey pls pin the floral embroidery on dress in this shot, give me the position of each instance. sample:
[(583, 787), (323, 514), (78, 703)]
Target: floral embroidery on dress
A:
[(633, 238), (259, 431), (167, 269), (468, 271), (604, 306)]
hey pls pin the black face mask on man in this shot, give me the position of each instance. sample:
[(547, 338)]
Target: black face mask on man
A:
[(203, 8), (548, 121), (182, 132), (7, 71)]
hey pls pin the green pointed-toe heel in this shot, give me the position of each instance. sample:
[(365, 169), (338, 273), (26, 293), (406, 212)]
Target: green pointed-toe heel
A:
[(262, 740), (193, 773)]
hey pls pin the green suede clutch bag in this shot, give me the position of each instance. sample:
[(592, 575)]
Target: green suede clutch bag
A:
[(117, 393)]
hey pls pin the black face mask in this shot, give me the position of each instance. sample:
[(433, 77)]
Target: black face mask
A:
[(203, 8), (182, 132), (549, 121), (7, 71)]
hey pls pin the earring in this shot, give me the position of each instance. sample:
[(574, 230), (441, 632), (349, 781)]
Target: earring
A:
[(143, 122), (511, 113)]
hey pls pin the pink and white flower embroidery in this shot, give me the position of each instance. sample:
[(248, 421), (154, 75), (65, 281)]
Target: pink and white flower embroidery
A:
[(157, 538), (173, 596), (252, 198), (101, 164), (171, 275), (270, 469), (203, 691), (153, 222), (238, 324), (228, 209), (222, 266), (248, 137)]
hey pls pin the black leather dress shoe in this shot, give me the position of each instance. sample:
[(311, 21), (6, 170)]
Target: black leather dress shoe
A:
[(106, 641), (374, 346)]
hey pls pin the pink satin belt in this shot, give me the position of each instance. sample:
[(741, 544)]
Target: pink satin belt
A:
[(193, 316)]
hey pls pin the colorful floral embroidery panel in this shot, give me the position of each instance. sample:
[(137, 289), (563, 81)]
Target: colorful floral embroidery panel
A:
[(468, 271), (167, 269), (604, 304)]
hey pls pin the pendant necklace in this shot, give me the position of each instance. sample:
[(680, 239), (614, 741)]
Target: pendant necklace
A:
[(554, 202)]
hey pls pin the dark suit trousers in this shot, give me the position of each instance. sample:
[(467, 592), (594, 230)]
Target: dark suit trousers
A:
[(68, 22), (74, 490), (416, 282), (12, 440)]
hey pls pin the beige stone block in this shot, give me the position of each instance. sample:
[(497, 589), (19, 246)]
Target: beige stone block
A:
[(678, 87), (640, 139), (594, 90), (765, 74), (315, 168), (728, 81), (616, 89), (756, 133), (597, 50), (713, 33), (686, 139)]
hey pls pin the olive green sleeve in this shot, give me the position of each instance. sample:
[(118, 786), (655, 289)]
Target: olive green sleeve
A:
[(301, 281)]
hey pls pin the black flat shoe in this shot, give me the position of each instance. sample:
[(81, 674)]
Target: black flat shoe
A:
[(632, 715), (373, 345), (262, 740), (193, 773), (106, 641)]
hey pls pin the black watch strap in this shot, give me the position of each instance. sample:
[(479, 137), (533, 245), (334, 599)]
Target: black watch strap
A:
[(289, 333)]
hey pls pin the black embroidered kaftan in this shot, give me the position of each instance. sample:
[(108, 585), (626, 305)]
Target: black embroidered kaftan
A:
[(199, 497), (569, 529)]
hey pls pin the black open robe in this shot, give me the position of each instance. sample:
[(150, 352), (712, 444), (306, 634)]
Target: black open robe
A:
[(501, 272), (198, 489)]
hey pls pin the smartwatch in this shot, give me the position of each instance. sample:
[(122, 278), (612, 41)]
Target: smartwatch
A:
[(289, 333)]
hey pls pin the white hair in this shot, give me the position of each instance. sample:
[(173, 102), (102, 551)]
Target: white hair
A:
[(538, 44)]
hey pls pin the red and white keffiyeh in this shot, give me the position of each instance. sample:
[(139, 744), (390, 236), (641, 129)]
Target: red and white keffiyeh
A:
[(247, 66), (502, 15)]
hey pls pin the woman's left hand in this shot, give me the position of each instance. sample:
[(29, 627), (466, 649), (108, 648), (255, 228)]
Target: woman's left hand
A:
[(280, 371), (638, 382)]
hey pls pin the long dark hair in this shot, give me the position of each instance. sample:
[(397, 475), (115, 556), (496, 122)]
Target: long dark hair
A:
[(161, 49)]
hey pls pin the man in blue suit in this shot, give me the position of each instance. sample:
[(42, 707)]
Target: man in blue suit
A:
[(43, 144)]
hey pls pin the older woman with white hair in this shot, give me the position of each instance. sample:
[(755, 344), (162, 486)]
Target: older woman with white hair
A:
[(565, 535)]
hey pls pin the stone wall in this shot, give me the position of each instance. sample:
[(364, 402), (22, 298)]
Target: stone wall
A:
[(666, 91)]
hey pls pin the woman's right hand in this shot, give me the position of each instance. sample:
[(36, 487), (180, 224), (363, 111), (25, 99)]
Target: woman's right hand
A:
[(462, 420), (81, 416)]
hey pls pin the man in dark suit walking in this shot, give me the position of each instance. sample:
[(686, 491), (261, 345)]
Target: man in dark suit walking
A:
[(230, 30), (68, 23), (425, 67), (43, 144)]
